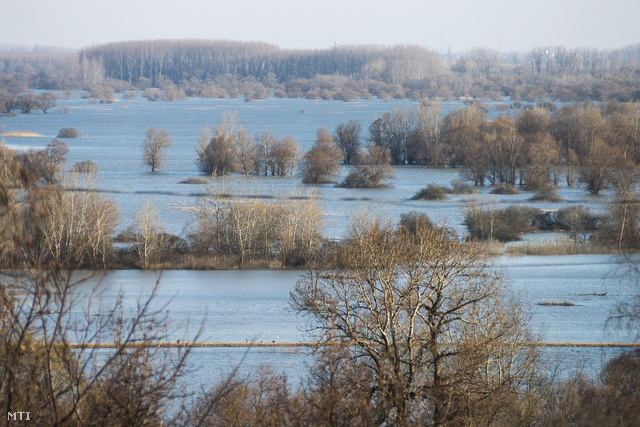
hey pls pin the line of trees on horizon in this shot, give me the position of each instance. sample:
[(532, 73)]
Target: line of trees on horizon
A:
[(257, 70)]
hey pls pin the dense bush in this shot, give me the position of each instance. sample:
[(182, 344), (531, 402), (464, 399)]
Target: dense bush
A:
[(69, 133), (576, 220), (85, 166), (412, 222), (432, 192), (620, 225), (459, 187), (503, 225), (505, 190), (372, 170), (194, 180), (549, 194), (322, 162)]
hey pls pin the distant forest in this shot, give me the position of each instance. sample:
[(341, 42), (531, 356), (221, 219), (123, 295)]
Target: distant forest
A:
[(258, 70)]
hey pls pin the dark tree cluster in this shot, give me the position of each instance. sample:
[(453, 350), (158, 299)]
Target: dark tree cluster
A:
[(535, 147), (223, 150)]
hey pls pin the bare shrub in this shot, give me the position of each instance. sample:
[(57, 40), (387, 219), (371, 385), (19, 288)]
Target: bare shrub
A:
[(288, 229), (505, 190), (372, 170), (68, 133), (489, 223), (459, 187), (85, 166), (432, 192)]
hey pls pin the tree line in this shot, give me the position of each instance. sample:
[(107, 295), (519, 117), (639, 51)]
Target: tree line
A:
[(257, 70), (535, 147), (597, 145)]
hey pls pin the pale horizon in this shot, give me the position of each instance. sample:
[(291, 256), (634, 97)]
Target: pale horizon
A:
[(459, 25)]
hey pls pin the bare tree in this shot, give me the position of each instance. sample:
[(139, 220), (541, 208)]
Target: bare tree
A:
[(264, 144), (45, 164), (486, 61), (46, 101), (322, 161), (149, 234), (597, 165), (506, 150), (435, 332), (50, 363), (289, 228), (424, 138), (347, 136), (220, 156), (27, 101), (75, 226), (247, 152), (284, 156), (154, 148)]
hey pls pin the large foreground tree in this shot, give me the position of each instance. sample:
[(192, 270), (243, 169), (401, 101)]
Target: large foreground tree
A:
[(426, 329)]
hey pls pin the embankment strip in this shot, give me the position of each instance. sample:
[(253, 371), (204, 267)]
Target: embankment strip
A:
[(311, 344)]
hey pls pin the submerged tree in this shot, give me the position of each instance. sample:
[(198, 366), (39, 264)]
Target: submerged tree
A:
[(154, 148), (149, 234), (347, 136), (322, 161), (372, 169)]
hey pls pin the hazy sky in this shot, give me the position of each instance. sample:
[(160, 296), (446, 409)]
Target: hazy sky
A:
[(458, 24)]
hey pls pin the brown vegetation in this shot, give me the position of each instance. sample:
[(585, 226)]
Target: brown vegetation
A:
[(372, 169), (224, 151), (434, 338), (21, 134), (322, 161), (154, 148)]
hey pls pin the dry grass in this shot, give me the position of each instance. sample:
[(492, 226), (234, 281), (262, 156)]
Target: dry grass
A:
[(559, 247), (491, 248), (21, 133), (215, 262)]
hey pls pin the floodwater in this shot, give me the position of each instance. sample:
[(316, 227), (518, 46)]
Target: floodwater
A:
[(253, 305), (112, 136)]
